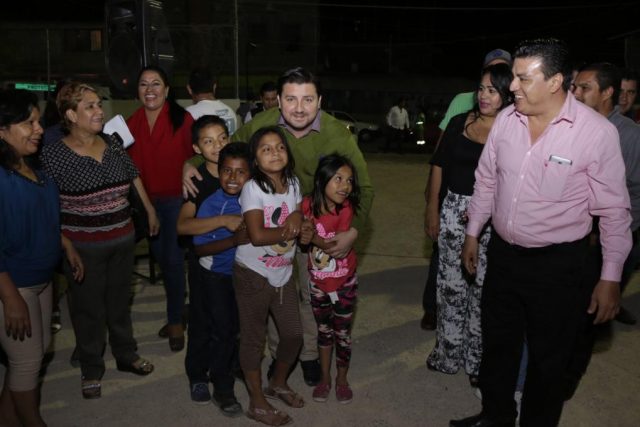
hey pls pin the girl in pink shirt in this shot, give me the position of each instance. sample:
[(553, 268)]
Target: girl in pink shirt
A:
[(333, 282)]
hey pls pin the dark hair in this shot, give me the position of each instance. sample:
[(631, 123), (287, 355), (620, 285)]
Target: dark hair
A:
[(501, 77), (327, 167), (51, 115), (176, 112), (298, 76), (554, 54), (630, 74), (234, 150), (203, 122), (607, 75), (268, 87), (263, 181), (201, 80), (16, 106)]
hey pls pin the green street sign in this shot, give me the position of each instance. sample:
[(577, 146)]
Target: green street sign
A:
[(36, 87)]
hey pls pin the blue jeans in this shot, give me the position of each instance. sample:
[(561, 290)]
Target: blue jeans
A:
[(170, 256), (213, 329)]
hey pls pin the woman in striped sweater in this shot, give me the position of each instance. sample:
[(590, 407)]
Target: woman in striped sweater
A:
[(93, 174)]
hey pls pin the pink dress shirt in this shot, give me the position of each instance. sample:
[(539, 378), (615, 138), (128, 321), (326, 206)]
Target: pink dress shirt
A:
[(546, 193)]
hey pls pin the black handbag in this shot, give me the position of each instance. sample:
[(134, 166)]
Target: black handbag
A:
[(139, 215)]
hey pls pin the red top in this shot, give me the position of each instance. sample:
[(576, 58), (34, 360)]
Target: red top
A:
[(160, 153), (326, 272)]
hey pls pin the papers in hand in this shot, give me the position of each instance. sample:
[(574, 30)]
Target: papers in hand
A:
[(118, 126)]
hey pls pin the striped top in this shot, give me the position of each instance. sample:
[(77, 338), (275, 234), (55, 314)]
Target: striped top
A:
[(94, 205)]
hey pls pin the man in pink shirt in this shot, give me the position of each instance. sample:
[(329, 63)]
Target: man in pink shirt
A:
[(550, 164)]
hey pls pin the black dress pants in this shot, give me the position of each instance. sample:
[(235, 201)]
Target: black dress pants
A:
[(533, 293)]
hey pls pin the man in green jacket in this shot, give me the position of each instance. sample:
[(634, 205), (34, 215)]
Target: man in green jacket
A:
[(311, 134)]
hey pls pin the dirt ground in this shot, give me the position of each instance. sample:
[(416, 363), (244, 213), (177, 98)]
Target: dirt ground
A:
[(391, 384)]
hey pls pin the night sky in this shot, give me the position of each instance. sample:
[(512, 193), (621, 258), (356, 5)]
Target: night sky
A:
[(453, 35), (458, 34)]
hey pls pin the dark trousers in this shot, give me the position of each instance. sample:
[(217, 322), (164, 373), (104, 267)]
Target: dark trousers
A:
[(585, 340), (534, 294), (429, 294), (170, 256), (101, 302), (213, 328), (395, 137)]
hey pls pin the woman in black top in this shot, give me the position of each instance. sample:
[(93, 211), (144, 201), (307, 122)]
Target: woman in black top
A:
[(458, 336)]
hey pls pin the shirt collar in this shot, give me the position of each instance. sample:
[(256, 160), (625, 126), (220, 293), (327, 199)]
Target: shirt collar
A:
[(315, 125), (615, 111)]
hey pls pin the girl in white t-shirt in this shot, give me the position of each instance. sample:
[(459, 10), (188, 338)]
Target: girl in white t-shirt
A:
[(263, 280)]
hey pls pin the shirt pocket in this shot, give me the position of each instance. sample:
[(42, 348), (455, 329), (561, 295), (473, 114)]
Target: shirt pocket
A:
[(554, 180)]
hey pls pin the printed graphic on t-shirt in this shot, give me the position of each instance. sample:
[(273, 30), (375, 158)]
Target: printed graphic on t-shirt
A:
[(274, 254), (323, 265)]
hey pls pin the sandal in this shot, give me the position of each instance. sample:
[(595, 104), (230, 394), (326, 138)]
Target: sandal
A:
[(289, 397), (139, 367), (91, 389), (270, 417)]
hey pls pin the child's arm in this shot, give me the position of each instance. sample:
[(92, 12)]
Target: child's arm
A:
[(325, 245), (240, 237), (345, 238), (307, 231), (293, 223), (189, 225), (308, 235), (262, 236)]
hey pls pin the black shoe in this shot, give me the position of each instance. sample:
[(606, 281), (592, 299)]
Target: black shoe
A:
[(228, 404), (480, 420), (163, 332), (311, 372), (474, 381), (428, 322), (624, 316)]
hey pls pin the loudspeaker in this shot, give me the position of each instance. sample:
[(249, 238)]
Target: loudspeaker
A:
[(136, 36)]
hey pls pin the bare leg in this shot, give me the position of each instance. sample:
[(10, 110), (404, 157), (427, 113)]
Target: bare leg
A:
[(27, 406), (8, 415), (325, 363), (280, 374), (341, 378), (253, 380)]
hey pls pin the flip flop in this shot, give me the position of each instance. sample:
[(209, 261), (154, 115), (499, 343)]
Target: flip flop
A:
[(288, 397), (270, 417)]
